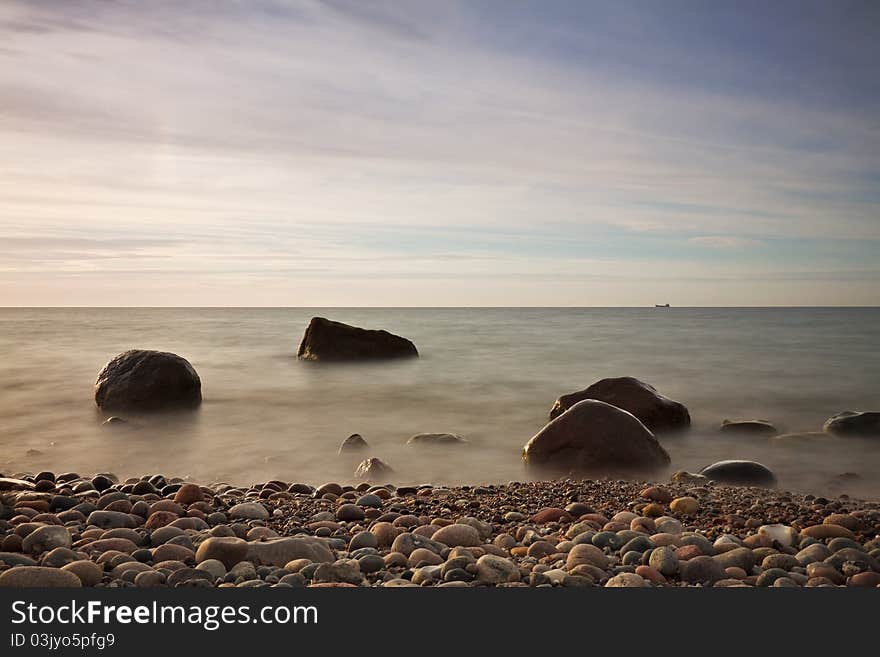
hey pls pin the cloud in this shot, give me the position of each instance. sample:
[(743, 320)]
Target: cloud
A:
[(340, 131), (725, 242)]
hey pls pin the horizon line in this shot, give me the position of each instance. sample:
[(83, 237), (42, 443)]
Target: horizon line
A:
[(444, 307)]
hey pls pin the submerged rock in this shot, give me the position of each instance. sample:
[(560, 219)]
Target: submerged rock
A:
[(354, 443), (805, 438), (597, 438), (326, 340), (685, 477), (740, 473), (748, 427), (373, 469), (144, 380), (854, 423), (656, 412), (423, 439)]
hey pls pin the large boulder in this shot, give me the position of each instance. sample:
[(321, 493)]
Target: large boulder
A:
[(593, 437), (326, 340), (144, 380), (656, 412), (740, 473), (854, 423)]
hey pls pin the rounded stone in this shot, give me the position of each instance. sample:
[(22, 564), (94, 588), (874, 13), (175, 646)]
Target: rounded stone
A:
[(627, 580), (740, 473), (189, 494), (684, 505), (664, 560), (88, 572), (492, 569), (145, 380), (584, 553), (362, 540), (701, 570), (39, 577), (215, 567), (44, 539), (249, 511), (457, 535), (742, 558), (350, 513), (226, 549)]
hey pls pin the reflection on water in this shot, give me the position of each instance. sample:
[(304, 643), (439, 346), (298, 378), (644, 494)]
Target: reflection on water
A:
[(488, 374)]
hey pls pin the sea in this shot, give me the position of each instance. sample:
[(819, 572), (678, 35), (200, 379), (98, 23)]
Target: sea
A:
[(489, 375)]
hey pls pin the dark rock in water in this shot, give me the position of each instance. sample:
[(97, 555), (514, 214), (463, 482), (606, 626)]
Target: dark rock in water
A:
[(748, 427), (740, 473), (354, 443), (597, 438), (656, 412), (854, 423), (143, 380), (326, 340), (432, 439), (373, 469)]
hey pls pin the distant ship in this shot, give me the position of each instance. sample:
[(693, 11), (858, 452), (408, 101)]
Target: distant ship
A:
[(661, 305)]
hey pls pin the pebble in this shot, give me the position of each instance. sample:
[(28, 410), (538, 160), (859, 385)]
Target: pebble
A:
[(627, 580), (586, 554), (88, 572), (227, 550), (664, 560), (457, 535), (492, 569), (702, 570), (742, 558), (684, 505), (249, 511), (164, 532), (350, 513), (39, 577), (46, 538)]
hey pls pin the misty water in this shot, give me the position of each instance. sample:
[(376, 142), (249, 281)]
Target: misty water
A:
[(490, 375)]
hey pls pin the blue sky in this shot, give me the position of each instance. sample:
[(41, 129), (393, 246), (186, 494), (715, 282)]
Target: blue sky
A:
[(439, 153)]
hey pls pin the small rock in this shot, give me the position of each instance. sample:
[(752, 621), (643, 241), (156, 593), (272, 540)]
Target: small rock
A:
[(627, 580), (39, 577), (457, 535), (89, 572), (702, 570), (491, 569), (584, 553), (227, 550), (249, 511), (350, 513), (664, 560), (44, 539), (684, 505)]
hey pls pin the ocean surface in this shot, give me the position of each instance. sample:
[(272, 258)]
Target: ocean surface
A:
[(490, 375)]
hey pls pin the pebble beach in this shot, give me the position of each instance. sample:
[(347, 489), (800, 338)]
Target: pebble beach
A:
[(67, 530)]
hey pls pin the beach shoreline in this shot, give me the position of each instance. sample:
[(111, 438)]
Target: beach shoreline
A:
[(68, 530)]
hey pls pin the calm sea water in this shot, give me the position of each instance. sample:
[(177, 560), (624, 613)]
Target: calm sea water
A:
[(490, 375)]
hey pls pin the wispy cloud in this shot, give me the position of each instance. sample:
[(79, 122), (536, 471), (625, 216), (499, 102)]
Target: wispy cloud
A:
[(244, 128), (725, 242)]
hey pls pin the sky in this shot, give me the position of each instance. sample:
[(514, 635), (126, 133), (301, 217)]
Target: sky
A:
[(407, 153)]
